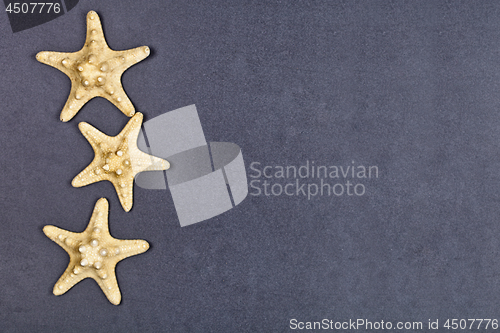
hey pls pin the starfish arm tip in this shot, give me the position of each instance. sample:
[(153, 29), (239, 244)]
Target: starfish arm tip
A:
[(66, 114), (140, 53), (102, 205), (157, 164), (50, 58), (131, 113), (39, 56), (115, 299), (127, 206), (83, 126), (126, 107), (91, 14), (79, 182), (56, 291), (48, 230), (111, 289), (144, 245), (102, 201), (43, 57)]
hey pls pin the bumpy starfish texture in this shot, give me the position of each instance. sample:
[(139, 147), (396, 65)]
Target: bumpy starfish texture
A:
[(94, 253), (95, 70), (117, 159)]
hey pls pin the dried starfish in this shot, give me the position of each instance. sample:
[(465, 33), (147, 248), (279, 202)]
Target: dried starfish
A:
[(117, 159), (94, 253), (95, 70)]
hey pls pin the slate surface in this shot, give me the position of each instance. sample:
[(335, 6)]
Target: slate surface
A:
[(409, 86)]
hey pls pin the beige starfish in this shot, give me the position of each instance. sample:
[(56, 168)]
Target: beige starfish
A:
[(94, 253), (117, 159), (95, 70)]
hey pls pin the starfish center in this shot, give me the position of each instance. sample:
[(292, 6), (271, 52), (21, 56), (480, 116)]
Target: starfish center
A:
[(116, 162), (92, 254), (89, 73)]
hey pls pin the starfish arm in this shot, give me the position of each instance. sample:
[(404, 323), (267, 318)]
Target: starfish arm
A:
[(97, 139), (119, 61), (68, 279), (124, 190), (129, 247), (63, 61), (89, 175), (145, 162), (133, 56), (63, 238), (99, 219), (156, 164), (95, 34), (121, 101), (132, 129), (114, 65), (68, 113), (140, 161), (109, 286), (77, 98)]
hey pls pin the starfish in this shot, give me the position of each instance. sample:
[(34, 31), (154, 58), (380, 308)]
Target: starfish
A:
[(117, 159), (95, 70), (94, 253)]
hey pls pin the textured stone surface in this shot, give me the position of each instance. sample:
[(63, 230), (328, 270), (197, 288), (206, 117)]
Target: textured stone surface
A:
[(410, 86)]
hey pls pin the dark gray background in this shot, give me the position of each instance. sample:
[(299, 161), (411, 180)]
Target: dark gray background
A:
[(410, 86)]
